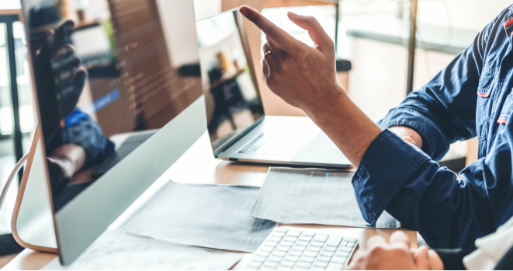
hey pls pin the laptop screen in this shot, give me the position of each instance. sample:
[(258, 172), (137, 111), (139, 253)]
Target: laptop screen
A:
[(232, 101)]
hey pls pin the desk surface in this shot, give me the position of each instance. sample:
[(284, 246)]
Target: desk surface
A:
[(185, 170)]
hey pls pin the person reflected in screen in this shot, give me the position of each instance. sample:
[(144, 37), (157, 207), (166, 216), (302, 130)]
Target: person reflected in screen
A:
[(396, 158), (73, 139)]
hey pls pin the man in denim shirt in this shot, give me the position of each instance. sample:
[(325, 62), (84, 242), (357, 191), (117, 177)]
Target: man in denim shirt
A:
[(397, 169)]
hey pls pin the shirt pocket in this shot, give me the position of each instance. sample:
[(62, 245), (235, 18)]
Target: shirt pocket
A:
[(506, 111), (486, 81)]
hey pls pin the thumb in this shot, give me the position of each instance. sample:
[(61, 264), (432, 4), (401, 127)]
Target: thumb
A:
[(315, 30)]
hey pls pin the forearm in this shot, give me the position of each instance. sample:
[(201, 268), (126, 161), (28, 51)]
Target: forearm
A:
[(71, 155), (346, 125)]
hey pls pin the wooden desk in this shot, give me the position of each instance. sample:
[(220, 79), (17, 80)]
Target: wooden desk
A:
[(199, 166)]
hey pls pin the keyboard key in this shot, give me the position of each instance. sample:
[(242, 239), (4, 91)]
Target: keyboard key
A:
[(304, 265), (311, 234), (266, 248), (353, 240), (307, 259), (310, 254), (282, 248), (327, 253), (321, 264), (290, 239), (342, 253), (281, 230), (338, 259), (316, 244), (292, 258), (334, 266), (315, 249), (293, 233), (327, 248), (274, 259), (270, 244), (334, 241), (323, 259), (302, 243), (286, 243), (295, 253), (345, 244), (299, 248), (305, 238), (279, 254), (347, 249), (284, 268), (274, 239), (288, 263), (278, 234), (321, 237), (270, 264)]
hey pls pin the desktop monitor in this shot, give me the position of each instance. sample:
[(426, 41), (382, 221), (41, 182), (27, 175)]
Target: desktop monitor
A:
[(119, 97)]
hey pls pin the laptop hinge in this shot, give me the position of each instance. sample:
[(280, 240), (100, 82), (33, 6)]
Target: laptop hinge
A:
[(236, 138)]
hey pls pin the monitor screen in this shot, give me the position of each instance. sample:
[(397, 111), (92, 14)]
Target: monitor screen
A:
[(108, 75), (232, 100)]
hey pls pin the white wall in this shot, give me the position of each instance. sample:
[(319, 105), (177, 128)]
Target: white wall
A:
[(462, 14), (207, 8), (10, 4)]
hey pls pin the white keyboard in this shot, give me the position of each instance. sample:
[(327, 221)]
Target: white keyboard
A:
[(296, 250)]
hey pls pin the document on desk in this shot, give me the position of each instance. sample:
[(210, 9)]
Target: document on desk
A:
[(306, 196), (213, 216), (120, 251)]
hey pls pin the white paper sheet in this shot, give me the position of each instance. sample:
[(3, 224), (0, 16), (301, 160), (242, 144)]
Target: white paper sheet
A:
[(205, 215), (313, 196), (120, 251)]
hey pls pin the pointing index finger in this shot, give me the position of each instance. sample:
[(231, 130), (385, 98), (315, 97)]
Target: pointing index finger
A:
[(287, 42)]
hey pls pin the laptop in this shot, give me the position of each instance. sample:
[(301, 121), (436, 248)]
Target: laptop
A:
[(238, 127)]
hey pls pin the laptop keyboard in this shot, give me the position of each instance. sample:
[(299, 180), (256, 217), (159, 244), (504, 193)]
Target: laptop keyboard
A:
[(272, 144), (296, 250)]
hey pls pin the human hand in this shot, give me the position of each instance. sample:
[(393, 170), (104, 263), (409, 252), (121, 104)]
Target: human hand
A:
[(395, 255), (303, 76), (409, 135)]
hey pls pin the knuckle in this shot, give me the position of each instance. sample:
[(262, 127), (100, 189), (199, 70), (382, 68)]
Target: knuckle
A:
[(311, 19), (377, 251)]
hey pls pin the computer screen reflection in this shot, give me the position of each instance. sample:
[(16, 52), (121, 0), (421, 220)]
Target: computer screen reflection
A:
[(108, 74), (232, 100)]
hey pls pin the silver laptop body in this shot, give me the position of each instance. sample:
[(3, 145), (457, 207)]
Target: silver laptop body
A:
[(239, 129)]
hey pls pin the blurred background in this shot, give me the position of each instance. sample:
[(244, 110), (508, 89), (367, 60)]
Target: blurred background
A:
[(372, 42)]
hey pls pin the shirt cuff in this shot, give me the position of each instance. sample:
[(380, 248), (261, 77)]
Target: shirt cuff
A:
[(434, 142), (386, 166)]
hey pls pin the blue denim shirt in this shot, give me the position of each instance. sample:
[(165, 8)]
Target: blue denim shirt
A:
[(471, 97)]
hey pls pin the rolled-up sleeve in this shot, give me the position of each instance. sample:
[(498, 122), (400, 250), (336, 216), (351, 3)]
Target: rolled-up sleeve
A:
[(386, 166), (448, 210)]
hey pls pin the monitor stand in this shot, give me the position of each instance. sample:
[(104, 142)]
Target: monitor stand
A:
[(32, 221)]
